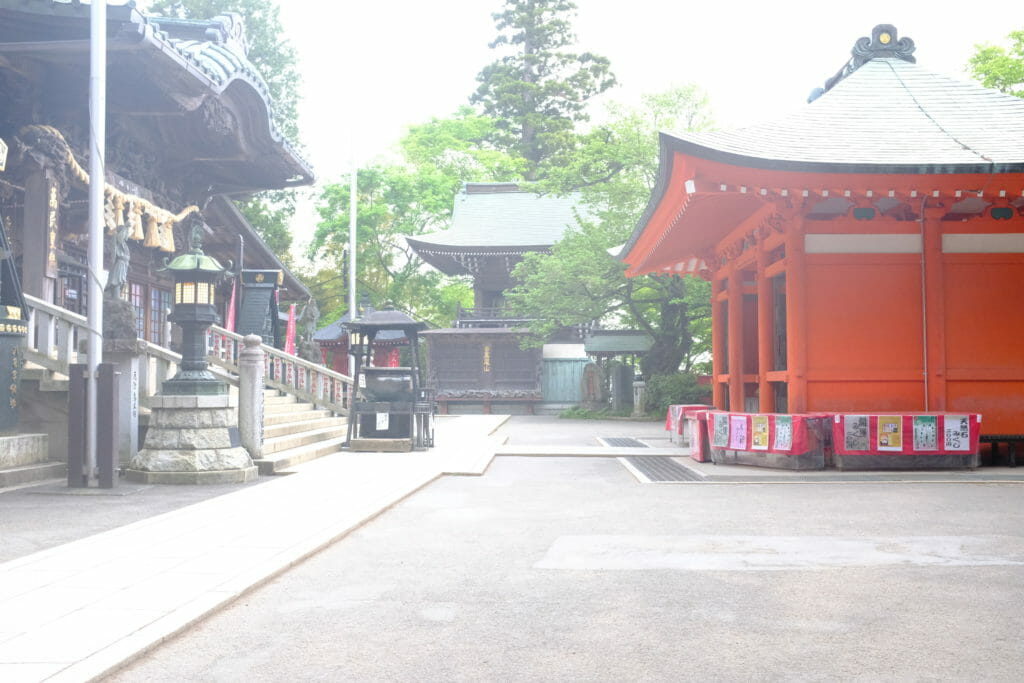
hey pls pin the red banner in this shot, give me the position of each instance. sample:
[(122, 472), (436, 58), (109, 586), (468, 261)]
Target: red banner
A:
[(905, 433), (788, 434), (677, 412), (229, 323), (289, 335)]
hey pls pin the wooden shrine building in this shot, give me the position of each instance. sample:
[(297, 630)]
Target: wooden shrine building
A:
[(866, 252), (478, 360), (189, 125)]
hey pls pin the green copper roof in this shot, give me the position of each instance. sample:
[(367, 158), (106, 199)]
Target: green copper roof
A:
[(617, 341), (195, 261), (493, 215)]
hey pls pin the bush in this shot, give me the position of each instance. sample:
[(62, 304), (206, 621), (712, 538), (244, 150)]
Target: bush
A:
[(579, 413), (665, 390)]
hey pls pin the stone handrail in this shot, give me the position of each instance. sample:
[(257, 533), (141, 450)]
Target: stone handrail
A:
[(293, 375), (160, 364), (53, 341), (53, 334)]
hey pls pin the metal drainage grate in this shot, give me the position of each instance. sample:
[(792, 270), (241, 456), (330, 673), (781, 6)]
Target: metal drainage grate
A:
[(660, 468), (621, 442)]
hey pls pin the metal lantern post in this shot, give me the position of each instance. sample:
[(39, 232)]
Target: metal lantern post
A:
[(193, 435), (196, 276)]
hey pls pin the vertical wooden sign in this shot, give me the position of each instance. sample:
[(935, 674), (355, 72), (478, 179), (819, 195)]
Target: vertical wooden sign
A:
[(51, 232)]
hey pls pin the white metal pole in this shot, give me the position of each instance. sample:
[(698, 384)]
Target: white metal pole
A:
[(97, 177), (352, 219)]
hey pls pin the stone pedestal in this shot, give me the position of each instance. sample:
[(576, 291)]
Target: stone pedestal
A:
[(192, 440), (639, 389), (124, 354)]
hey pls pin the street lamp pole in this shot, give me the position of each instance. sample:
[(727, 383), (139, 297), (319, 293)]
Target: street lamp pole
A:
[(352, 254), (97, 180)]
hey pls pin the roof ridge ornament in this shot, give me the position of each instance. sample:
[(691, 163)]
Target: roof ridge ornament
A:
[(884, 43)]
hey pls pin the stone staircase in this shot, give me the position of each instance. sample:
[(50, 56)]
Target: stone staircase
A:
[(295, 431), (24, 458)]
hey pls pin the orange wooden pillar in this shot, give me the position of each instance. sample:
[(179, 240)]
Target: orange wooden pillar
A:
[(765, 332), (933, 275), (735, 333), (717, 344), (796, 316)]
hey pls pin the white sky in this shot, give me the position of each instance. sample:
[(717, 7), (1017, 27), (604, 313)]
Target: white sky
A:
[(371, 69)]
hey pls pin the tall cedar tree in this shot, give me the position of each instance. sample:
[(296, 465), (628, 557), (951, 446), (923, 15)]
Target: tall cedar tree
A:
[(539, 92), (276, 61)]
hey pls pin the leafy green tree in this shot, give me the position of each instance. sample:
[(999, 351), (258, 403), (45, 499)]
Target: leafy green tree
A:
[(276, 61), (999, 67), (614, 170), (539, 92), (411, 198)]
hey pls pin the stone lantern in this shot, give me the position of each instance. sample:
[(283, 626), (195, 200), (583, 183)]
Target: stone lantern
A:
[(193, 433)]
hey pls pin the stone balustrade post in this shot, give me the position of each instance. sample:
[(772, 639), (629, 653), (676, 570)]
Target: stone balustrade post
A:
[(250, 395)]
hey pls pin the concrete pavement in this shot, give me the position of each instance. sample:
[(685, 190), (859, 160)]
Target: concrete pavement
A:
[(77, 610), (568, 569), (92, 600)]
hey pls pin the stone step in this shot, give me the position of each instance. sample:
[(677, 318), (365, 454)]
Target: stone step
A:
[(20, 450), (13, 476), (273, 463), (281, 443), (303, 426), (305, 416), (278, 399), (281, 408)]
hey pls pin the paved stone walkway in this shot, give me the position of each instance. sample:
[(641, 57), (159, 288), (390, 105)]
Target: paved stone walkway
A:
[(76, 611)]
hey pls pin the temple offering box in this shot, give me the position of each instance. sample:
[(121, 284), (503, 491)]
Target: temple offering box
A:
[(905, 440), (797, 442)]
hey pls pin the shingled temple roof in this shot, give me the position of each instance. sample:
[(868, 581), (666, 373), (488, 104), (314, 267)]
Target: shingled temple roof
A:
[(502, 215), (883, 115)]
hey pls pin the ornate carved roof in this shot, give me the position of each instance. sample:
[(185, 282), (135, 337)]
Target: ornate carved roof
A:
[(187, 87)]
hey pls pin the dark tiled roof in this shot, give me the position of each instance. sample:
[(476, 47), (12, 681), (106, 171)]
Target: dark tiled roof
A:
[(495, 215), (384, 319), (888, 116), (212, 52), (335, 330), (479, 331)]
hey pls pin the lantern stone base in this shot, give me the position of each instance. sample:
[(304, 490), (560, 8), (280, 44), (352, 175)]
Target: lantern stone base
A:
[(192, 440)]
